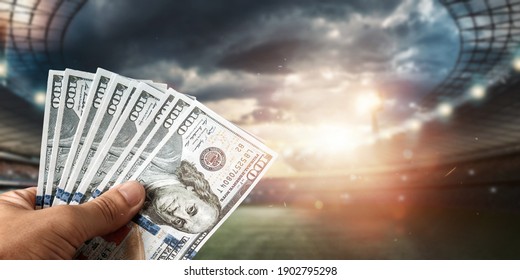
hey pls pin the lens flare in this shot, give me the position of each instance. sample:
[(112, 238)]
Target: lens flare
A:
[(369, 102)]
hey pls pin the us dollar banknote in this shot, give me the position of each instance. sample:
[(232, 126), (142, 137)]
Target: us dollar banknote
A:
[(52, 101), (197, 175), (75, 88), (118, 93), (172, 110), (90, 107), (142, 107), (102, 129)]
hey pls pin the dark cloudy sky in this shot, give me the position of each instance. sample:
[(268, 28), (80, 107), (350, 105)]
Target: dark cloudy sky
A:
[(283, 70)]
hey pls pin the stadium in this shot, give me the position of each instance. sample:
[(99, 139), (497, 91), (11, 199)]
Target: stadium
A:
[(396, 123)]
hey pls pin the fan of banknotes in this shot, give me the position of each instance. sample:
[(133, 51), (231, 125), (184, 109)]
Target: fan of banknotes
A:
[(101, 129)]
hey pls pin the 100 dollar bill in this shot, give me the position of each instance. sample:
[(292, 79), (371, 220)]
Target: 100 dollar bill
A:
[(196, 176), (173, 109), (90, 107), (142, 107), (76, 85), (118, 93), (52, 101)]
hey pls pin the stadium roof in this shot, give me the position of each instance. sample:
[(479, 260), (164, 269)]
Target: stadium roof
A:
[(484, 123), (31, 40)]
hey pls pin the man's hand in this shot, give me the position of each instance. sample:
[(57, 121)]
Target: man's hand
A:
[(57, 232)]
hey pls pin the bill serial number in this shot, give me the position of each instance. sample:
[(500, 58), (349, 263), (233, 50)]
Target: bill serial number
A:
[(234, 173)]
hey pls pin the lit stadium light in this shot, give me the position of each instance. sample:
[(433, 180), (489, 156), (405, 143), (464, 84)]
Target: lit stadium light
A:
[(369, 102), (445, 109), (39, 97), (477, 92), (516, 63), (414, 125), (3, 69)]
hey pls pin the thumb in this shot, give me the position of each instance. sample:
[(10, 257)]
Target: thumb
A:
[(112, 210)]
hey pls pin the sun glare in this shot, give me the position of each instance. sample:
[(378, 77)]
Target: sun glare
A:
[(335, 138), (368, 102)]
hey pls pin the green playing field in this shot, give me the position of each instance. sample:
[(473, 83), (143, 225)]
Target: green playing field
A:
[(292, 233), (374, 231)]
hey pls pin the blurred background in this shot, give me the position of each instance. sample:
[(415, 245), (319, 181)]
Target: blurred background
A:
[(396, 122)]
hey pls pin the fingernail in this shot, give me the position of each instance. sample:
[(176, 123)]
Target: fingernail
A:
[(132, 192)]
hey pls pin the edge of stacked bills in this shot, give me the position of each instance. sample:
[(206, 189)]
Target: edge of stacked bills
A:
[(101, 129)]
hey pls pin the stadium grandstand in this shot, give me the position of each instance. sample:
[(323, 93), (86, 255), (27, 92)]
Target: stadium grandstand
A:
[(31, 42)]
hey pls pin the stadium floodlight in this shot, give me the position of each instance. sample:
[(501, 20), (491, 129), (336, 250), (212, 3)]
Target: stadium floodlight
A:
[(3, 69), (477, 92), (39, 97), (414, 125), (445, 109), (516, 63)]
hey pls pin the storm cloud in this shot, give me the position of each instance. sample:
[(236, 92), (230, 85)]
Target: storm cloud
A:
[(264, 37), (277, 68)]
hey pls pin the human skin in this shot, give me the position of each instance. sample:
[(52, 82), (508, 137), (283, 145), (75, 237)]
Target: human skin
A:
[(57, 232)]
